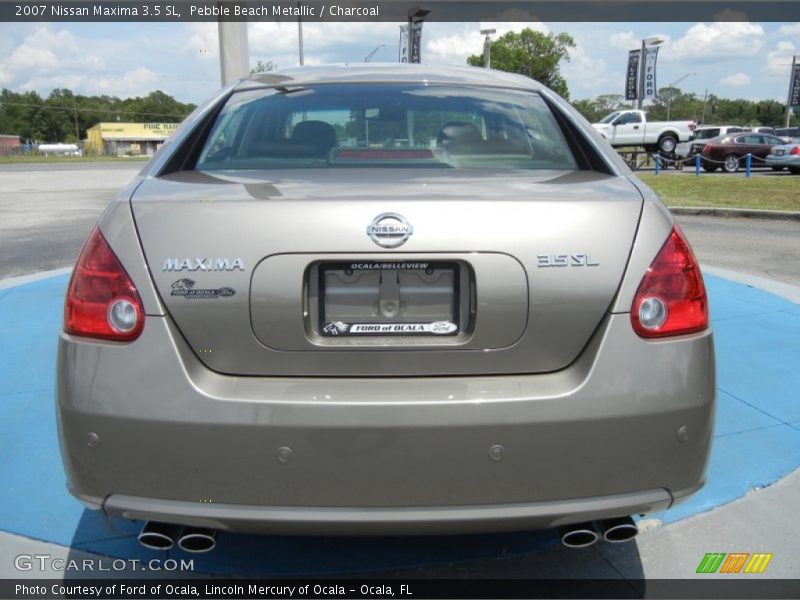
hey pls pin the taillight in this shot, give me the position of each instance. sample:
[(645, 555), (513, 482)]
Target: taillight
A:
[(671, 299), (102, 301), (692, 126), (795, 150), (707, 149)]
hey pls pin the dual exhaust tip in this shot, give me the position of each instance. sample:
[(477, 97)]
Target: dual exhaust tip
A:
[(583, 535), (197, 540), (163, 536)]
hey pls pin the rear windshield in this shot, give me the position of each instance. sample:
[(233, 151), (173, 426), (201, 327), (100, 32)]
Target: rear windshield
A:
[(331, 126), (706, 134)]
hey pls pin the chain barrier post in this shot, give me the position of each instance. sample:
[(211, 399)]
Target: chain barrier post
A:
[(658, 163), (697, 164), (747, 163)]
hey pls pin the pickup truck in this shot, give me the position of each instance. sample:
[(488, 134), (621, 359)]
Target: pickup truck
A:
[(631, 128)]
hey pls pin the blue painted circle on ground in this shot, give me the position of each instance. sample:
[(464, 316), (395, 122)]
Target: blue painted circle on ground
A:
[(757, 441)]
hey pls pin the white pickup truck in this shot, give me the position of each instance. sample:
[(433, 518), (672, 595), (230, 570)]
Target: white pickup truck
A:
[(631, 128)]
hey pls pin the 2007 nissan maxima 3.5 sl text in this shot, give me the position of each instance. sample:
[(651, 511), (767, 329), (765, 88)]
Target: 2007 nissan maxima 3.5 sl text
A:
[(385, 299)]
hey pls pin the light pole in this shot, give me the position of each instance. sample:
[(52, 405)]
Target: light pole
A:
[(674, 83), (653, 40), (487, 47), (415, 15), (300, 39), (371, 54)]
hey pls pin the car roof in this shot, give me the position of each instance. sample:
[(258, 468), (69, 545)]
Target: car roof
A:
[(389, 73)]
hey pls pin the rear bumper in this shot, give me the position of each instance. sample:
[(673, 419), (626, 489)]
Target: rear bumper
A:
[(788, 160), (176, 442), (419, 520)]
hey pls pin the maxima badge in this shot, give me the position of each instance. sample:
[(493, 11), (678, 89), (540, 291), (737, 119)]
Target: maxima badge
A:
[(389, 230)]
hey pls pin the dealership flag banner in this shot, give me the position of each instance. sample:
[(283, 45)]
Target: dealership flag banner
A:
[(650, 89), (794, 85), (403, 58), (410, 50), (632, 78)]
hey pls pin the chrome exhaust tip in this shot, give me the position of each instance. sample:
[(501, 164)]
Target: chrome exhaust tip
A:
[(581, 535), (619, 530), (158, 536), (198, 540)]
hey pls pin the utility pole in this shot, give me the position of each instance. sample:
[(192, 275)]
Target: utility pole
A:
[(75, 112), (234, 51), (792, 83), (300, 38), (487, 47), (705, 99)]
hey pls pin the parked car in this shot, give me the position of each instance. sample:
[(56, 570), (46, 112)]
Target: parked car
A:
[(729, 151), (472, 317), (790, 133), (631, 128), (701, 134), (785, 156), (760, 129)]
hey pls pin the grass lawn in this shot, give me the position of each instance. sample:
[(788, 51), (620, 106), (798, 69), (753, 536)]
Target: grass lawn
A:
[(727, 191), (28, 158)]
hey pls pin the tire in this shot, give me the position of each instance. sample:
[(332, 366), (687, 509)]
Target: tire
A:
[(731, 164), (794, 170), (709, 168), (777, 168), (667, 143)]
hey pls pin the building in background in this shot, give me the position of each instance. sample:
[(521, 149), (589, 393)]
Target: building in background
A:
[(127, 139), (9, 144)]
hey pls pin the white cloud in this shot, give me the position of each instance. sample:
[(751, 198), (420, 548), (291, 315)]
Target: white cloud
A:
[(584, 70), (718, 40), (455, 48), (624, 40), (136, 82), (736, 80), (203, 40), (779, 61), (790, 29), (5, 76)]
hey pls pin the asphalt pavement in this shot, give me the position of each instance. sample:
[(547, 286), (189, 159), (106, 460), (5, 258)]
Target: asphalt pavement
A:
[(49, 210)]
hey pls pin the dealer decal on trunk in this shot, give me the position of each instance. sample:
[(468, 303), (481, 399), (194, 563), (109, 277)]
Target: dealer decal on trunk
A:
[(185, 288)]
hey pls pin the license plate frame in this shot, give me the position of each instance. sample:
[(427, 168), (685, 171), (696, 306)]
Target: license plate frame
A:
[(381, 326)]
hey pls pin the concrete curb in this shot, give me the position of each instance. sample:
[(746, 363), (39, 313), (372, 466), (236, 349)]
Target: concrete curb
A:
[(747, 213)]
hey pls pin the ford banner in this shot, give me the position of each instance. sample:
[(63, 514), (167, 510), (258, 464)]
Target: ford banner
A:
[(632, 77), (650, 88)]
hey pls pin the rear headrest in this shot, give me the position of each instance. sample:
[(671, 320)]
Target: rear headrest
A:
[(316, 134), (458, 133)]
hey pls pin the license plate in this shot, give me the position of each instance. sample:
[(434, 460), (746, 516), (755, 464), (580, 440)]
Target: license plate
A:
[(779, 152), (389, 298)]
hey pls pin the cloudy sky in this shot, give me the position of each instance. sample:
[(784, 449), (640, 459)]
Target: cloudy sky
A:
[(741, 60)]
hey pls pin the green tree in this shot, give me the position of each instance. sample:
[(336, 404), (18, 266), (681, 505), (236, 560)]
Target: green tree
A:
[(532, 53), (263, 67)]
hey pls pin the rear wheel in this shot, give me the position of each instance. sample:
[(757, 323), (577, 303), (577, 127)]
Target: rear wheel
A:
[(777, 168), (731, 164), (794, 170), (667, 144)]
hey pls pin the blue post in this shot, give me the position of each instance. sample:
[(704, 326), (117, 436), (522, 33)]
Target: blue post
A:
[(697, 164), (747, 163), (658, 163)]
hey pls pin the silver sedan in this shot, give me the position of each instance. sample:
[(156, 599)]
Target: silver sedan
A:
[(385, 299)]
